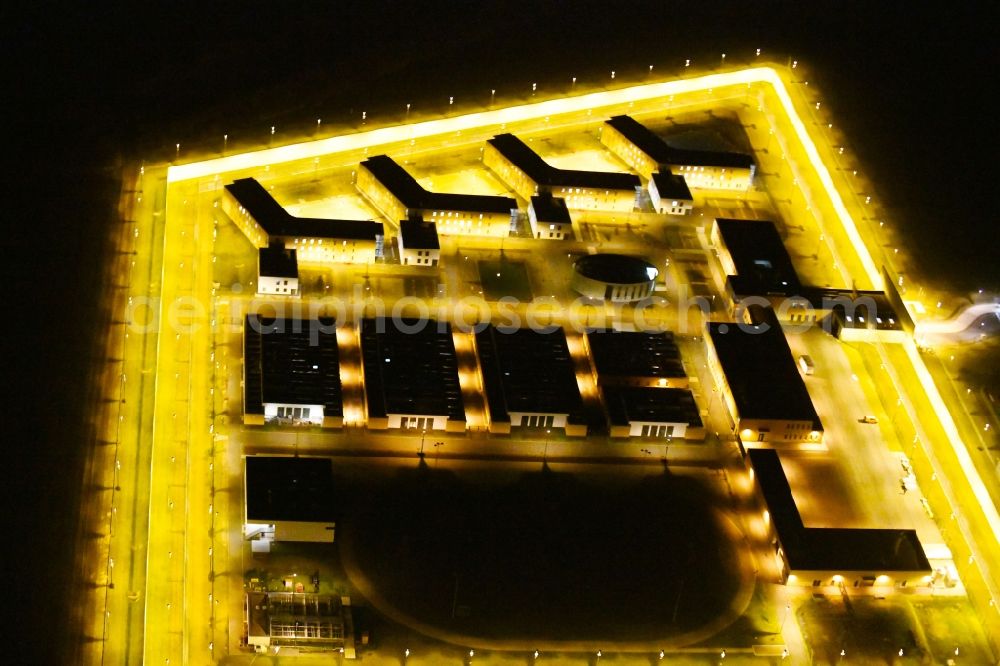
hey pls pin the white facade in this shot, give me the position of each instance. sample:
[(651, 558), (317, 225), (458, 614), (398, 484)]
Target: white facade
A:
[(546, 229), (668, 206), (418, 257), (418, 422), (295, 413), (537, 420), (656, 429), (289, 530), (277, 286)]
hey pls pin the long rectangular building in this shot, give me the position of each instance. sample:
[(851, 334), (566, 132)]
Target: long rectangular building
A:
[(291, 372), (529, 380), (755, 371), (315, 240), (528, 174), (411, 375), (391, 189), (647, 153), (840, 557), (287, 499)]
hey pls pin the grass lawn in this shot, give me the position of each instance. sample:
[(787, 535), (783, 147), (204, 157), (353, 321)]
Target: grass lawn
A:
[(505, 278)]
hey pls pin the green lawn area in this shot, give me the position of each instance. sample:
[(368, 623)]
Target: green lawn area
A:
[(505, 278)]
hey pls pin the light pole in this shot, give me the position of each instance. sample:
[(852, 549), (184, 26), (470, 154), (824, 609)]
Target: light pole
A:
[(319, 121), (784, 617), (407, 110), (493, 94), (545, 451), (225, 143), (423, 433)]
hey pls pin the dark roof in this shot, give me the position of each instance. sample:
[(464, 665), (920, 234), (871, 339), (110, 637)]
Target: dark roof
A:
[(550, 209), (762, 262), (634, 354), (615, 268), (410, 369), (288, 489), (761, 372), (671, 186), (773, 484), (414, 197), (277, 262), (419, 235), (662, 153), (650, 404), (642, 137), (525, 370), (545, 174), (291, 361), (857, 309), (276, 221), (830, 549)]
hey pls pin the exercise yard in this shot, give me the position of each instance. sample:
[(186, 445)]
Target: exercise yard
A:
[(515, 555)]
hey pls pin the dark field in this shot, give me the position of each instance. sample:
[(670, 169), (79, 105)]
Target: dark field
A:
[(543, 555)]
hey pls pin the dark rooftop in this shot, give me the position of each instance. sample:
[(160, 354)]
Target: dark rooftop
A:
[(830, 549), (528, 371), (412, 371), (761, 372), (419, 235), (650, 404), (857, 309), (276, 221), (671, 186), (414, 197), (545, 174), (634, 354), (661, 152), (280, 488), (282, 364), (615, 268), (278, 262), (550, 209), (762, 262)]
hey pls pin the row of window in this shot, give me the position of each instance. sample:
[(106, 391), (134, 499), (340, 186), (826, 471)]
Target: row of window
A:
[(295, 413)]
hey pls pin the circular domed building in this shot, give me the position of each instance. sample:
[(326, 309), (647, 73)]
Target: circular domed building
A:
[(614, 277)]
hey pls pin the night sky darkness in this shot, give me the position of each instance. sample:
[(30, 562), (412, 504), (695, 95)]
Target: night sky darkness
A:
[(909, 83)]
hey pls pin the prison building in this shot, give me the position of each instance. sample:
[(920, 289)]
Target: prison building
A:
[(811, 556), (636, 358), (647, 153), (670, 194), (549, 217), (287, 498), (411, 375), (315, 240), (299, 619), (755, 372), (277, 271), (397, 194), (418, 243), (291, 372), (529, 380), (528, 175), (644, 411)]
